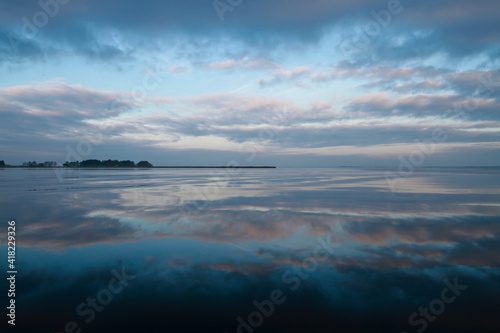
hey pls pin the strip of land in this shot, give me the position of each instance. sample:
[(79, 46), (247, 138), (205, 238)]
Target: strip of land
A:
[(126, 164), (139, 167), (214, 167)]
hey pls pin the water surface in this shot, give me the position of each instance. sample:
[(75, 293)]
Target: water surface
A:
[(343, 251)]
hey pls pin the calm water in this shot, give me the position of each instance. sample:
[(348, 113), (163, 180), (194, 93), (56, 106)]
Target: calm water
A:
[(272, 250)]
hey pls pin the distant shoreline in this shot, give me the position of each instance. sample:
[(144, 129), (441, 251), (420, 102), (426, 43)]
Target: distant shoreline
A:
[(154, 167), (214, 167)]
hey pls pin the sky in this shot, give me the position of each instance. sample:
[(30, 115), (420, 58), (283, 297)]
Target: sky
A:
[(235, 82)]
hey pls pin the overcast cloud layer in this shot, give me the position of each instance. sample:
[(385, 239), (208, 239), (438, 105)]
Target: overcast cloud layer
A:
[(288, 83)]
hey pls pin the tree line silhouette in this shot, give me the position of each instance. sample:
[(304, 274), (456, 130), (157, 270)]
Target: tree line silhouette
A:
[(83, 164), (107, 164), (34, 164)]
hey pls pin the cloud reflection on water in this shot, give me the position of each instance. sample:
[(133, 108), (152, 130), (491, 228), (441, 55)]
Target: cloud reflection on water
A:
[(258, 226)]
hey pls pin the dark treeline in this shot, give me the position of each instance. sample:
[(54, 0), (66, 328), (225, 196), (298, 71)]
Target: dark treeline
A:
[(34, 164), (118, 164), (107, 164), (83, 164), (30, 164)]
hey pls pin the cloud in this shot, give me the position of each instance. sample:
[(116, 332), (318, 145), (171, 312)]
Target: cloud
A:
[(179, 69), (345, 69), (438, 105), (425, 86), (57, 108), (281, 75), (41, 119), (52, 115), (114, 32), (475, 83), (243, 63)]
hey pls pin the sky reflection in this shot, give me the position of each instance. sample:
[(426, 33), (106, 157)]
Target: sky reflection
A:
[(235, 240)]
